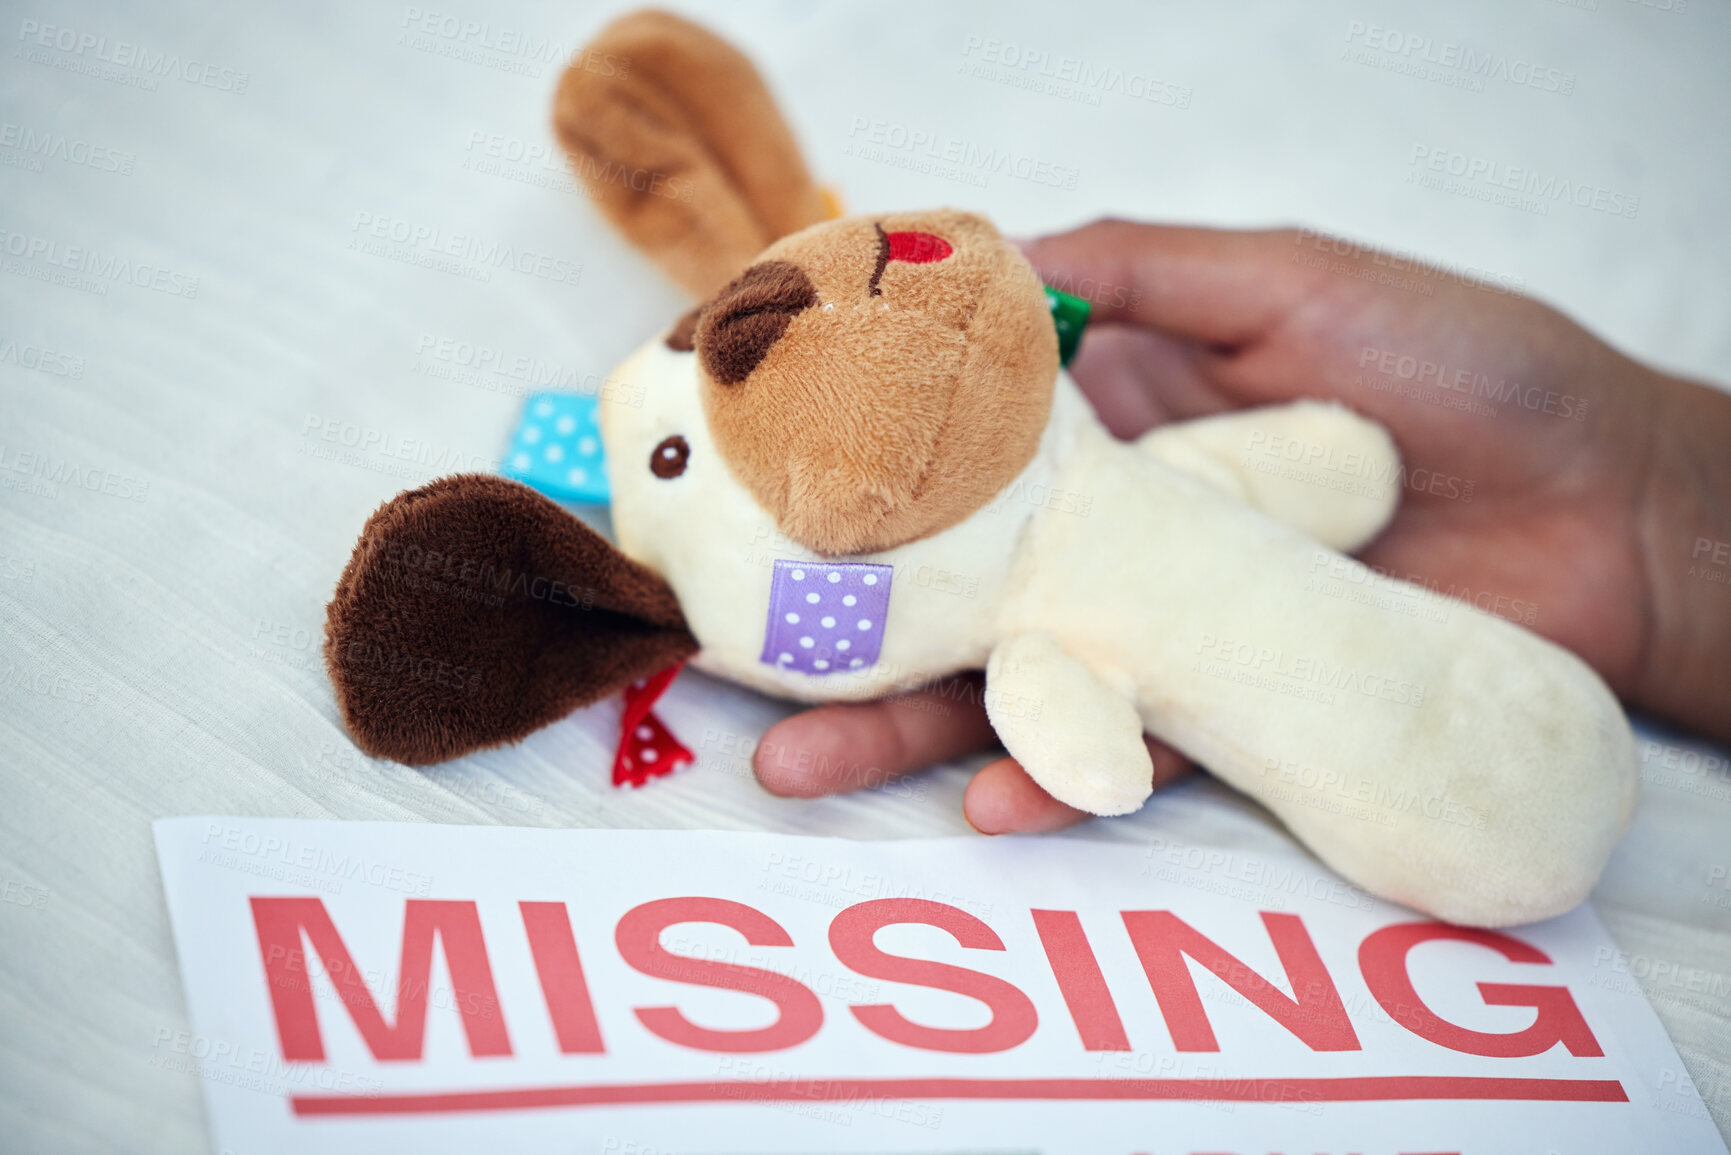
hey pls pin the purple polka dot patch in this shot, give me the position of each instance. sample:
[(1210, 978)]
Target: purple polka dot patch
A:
[(826, 618)]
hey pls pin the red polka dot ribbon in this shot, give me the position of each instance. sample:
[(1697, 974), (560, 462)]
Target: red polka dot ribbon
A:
[(647, 748)]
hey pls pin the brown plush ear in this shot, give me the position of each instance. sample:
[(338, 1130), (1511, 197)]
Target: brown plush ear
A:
[(475, 611), (678, 139)]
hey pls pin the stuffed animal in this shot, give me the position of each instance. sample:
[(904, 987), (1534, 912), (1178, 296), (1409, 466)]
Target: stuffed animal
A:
[(861, 401)]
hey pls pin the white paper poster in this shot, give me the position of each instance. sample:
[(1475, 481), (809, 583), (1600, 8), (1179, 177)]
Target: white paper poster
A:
[(367, 987)]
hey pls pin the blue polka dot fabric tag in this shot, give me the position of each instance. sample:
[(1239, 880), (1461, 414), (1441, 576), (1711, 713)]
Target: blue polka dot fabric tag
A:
[(557, 448), (826, 618)]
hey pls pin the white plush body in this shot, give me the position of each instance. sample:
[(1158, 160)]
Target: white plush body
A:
[(1436, 755)]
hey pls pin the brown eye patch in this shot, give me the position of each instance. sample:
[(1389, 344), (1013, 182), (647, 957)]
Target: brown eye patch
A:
[(743, 322), (668, 458)]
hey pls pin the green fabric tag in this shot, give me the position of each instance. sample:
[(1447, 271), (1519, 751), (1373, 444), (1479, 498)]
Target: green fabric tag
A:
[(1069, 317)]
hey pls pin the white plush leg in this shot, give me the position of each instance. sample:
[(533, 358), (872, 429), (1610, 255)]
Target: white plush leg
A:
[(1076, 736), (1316, 466), (1433, 754)]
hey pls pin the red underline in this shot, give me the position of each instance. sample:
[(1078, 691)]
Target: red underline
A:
[(1342, 1090)]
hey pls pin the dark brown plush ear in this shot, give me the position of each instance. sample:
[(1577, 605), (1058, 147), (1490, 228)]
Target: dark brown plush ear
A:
[(475, 611), (678, 139)]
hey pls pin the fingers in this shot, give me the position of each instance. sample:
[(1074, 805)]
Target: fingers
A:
[(1002, 799), (1216, 286), (1139, 378), (836, 748)]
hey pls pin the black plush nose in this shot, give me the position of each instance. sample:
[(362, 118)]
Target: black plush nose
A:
[(742, 322)]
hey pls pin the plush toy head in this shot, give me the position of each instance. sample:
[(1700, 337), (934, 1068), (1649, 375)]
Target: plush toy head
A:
[(856, 386), (874, 380)]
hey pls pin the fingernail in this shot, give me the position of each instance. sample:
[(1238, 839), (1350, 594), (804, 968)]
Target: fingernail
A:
[(969, 819)]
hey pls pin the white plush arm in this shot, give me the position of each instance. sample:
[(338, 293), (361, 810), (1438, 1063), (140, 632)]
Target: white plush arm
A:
[(1076, 736), (1316, 466)]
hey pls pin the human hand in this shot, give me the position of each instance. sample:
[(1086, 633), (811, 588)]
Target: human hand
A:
[(1547, 477)]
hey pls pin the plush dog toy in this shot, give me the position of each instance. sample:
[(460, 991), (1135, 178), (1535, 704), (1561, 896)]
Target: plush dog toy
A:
[(859, 401)]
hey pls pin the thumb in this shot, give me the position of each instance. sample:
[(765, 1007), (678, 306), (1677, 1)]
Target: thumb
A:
[(1210, 285)]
